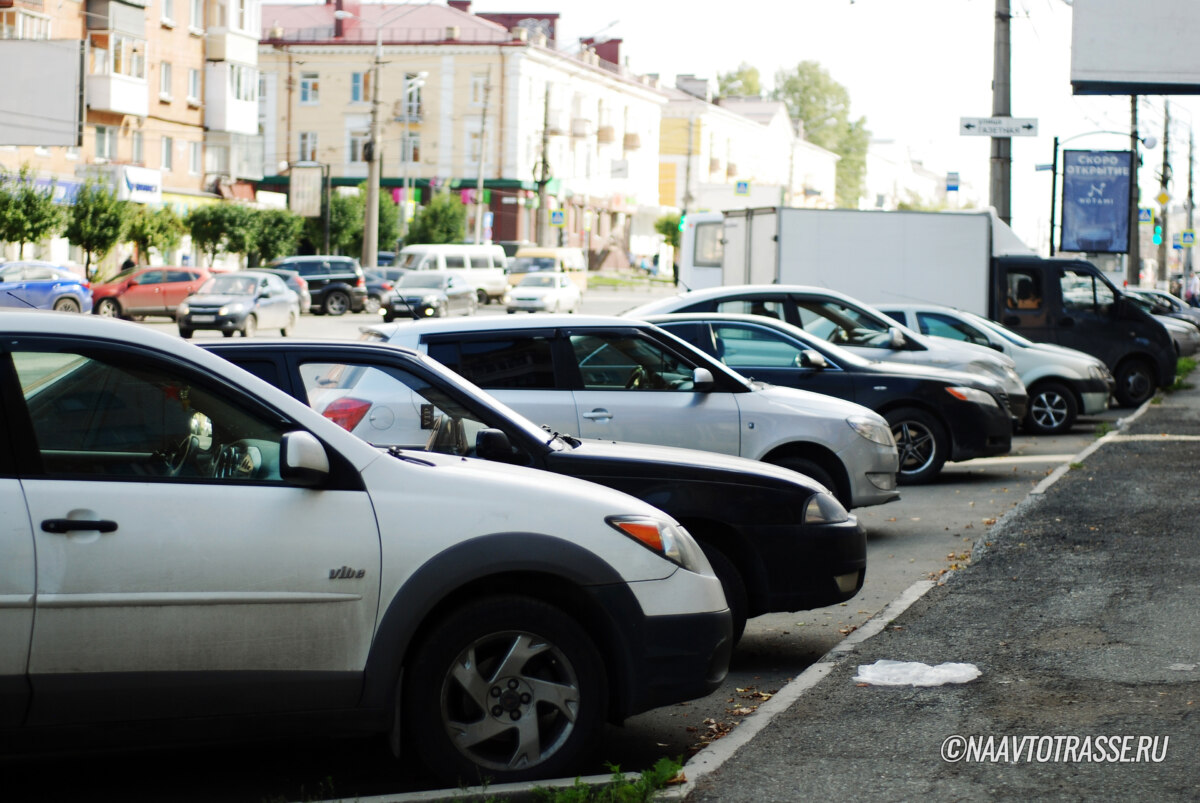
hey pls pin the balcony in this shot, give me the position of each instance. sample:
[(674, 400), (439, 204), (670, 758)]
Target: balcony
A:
[(118, 93), (225, 44), (237, 156), (223, 110), (605, 134), (632, 142), (581, 127), (731, 171), (120, 17), (714, 165)]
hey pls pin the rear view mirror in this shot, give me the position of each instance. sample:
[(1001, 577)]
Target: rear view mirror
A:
[(702, 380), (810, 358), (896, 338), (302, 459), (493, 444)]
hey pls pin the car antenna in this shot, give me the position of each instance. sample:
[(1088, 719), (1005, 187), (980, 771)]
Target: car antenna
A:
[(22, 300)]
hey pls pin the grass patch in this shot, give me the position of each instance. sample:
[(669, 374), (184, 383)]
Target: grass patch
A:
[(628, 282), (1183, 367), (1103, 428), (1075, 466), (619, 789)]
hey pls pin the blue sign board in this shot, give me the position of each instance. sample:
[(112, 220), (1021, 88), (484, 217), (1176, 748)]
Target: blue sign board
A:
[(1145, 214), (1095, 202), (558, 218), (741, 188)]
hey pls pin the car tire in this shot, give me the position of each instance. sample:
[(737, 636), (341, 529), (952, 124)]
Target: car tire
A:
[(734, 587), (250, 326), (441, 310), (291, 325), (108, 308), (816, 471), (372, 305), (226, 333), (186, 334), (481, 640), (922, 442), (472, 306), (482, 298), (336, 303), (66, 305), (1135, 383), (1052, 409)]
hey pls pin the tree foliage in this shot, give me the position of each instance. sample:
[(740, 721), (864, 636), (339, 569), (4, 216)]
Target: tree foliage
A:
[(277, 235), (389, 221), (823, 106), (742, 82), (442, 221), (157, 229), (207, 224), (345, 227), (668, 227), (96, 222), (241, 228), (29, 214)]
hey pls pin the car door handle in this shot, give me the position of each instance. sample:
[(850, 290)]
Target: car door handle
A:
[(60, 526), (598, 415)]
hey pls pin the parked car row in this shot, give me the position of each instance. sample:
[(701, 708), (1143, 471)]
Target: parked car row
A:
[(43, 285)]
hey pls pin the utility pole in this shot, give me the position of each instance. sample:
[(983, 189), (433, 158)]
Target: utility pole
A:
[(1133, 268), (1164, 181), (479, 205), (370, 249), (543, 178), (1001, 172)]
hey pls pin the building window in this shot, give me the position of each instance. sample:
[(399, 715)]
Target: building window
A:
[(413, 83), (411, 153), (117, 54), (474, 146), (360, 87), (479, 83), (197, 15), (243, 83), (308, 146), (168, 148), (106, 142), (164, 80), (309, 88), (193, 85), (168, 13), (195, 158), (139, 148), (358, 146), (18, 24)]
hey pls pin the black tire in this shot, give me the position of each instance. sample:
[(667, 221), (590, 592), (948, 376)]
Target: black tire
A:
[(817, 472), (250, 327), (108, 308), (734, 587), (186, 334), (482, 298), (555, 651), (226, 333), (291, 325), (922, 442), (66, 305), (1052, 409), (1136, 383), (336, 303), (372, 305)]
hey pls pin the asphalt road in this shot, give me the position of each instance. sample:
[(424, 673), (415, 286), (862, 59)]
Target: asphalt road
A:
[(929, 531)]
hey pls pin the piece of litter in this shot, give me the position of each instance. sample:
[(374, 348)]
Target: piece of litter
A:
[(914, 673)]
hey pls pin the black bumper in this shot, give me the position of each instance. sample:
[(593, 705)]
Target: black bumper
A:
[(224, 323), (798, 564), (979, 431)]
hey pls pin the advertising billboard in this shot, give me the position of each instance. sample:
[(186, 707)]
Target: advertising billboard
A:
[(41, 94), (1119, 47), (1095, 202)]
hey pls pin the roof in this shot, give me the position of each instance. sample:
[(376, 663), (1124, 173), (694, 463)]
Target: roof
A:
[(395, 22)]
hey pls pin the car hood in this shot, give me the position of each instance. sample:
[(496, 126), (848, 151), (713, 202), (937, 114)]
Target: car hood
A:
[(532, 292), (803, 401), (1062, 353), (217, 299), (932, 372)]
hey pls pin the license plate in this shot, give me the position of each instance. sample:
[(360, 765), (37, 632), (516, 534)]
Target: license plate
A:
[(203, 318)]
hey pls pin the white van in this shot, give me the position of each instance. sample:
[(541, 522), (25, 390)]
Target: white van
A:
[(483, 266), (532, 259)]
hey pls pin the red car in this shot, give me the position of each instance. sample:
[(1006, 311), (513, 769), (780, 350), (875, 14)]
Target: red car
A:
[(146, 291)]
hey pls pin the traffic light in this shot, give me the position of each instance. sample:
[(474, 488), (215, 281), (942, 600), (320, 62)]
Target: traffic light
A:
[(1157, 231), (682, 221)]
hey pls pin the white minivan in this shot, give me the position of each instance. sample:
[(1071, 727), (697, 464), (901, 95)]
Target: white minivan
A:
[(483, 266)]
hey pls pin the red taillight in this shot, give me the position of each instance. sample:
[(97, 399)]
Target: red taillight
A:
[(347, 412), (361, 282), (303, 282), (386, 285)]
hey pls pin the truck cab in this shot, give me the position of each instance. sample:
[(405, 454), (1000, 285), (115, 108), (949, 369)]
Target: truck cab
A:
[(1071, 303)]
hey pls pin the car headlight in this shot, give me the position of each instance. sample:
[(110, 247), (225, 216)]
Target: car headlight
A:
[(664, 538), (430, 300), (229, 309), (874, 430), (973, 395), (183, 308), (824, 509), (1099, 372)]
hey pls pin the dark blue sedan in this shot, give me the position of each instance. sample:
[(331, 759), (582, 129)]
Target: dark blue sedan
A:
[(43, 285)]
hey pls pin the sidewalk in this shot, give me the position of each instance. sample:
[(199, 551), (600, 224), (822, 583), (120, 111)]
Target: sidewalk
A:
[(1082, 610)]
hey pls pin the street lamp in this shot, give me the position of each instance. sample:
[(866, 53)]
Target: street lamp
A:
[(1149, 142), (370, 252)]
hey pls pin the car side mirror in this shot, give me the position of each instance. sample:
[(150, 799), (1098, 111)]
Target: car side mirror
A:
[(493, 444), (896, 338), (702, 380), (302, 459), (811, 358)]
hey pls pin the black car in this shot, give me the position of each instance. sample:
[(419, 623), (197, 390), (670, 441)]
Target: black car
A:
[(430, 294), (776, 540), (936, 415), (335, 283), (243, 301), (380, 284)]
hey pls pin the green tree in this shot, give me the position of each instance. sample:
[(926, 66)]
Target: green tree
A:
[(30, 214), (389, 221), (442, 221), (668, 227), (206, 224), (278, 234), (157, 229), (96, 222), (823, 106), (345, 226), (241, 228), (742, 82)]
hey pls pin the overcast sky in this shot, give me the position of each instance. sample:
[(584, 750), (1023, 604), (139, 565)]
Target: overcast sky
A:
[(912, 67)]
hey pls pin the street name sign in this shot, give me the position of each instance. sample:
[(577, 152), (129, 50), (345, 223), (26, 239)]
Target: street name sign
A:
[(998, 126)]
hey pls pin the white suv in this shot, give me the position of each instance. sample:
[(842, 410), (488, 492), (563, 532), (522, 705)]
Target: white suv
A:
[(616, 379), (182, 540)]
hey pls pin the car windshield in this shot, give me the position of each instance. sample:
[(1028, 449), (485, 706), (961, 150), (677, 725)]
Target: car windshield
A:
[(992, 326), (229, 285), (422, 279), (530, 264), (538, 281)]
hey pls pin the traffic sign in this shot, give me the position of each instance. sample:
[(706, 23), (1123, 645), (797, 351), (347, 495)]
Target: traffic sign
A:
[(1189, 238), (741, 188), (1145, 214), (998, 126), (558, 218), (952, 182), (1162, 198)]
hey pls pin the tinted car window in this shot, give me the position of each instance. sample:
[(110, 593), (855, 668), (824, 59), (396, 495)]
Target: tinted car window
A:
[(745, 346), (455, 261), (932, 323), (837, 323), (511, 362), (766, 307), (180, 276), (152, 277), (628, 362)]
